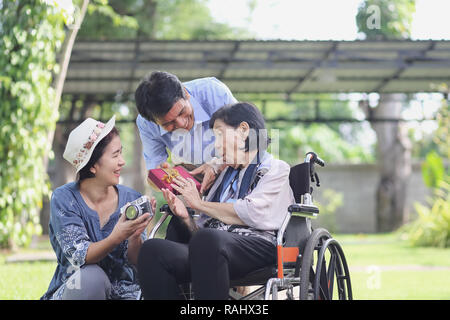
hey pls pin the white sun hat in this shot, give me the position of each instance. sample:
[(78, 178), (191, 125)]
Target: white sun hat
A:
[(83, 140)]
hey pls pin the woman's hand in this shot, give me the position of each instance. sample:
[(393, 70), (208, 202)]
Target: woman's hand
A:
[(139, 230), (135, 241), (175, 204), (125, 229), (187, 188)]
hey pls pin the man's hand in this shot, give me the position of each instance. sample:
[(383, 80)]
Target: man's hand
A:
[(163, 165), (209, 175)]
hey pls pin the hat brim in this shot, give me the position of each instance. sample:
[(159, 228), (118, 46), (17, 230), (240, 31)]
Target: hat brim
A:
[(105, 131)]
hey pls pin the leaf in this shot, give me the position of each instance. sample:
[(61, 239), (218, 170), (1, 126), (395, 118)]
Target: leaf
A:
[(31, 36), (433, 170)]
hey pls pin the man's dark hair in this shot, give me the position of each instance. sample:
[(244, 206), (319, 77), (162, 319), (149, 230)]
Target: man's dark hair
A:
[(157, 93), (85, 172), (234, 114)]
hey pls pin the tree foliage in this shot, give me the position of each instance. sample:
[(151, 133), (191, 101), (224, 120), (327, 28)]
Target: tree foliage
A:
[(386, 20), (155, 19), (296, 141), (31, 34), (432, 226), (335, 142)]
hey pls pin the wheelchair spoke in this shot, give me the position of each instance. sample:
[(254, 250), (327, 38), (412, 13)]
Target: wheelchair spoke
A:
[(331, 274), (323, 281), (324, 271)]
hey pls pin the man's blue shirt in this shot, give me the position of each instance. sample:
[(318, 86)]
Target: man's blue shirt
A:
[(195, 146)]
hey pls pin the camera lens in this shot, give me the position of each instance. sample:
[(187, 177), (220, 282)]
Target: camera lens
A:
[(131, 212)]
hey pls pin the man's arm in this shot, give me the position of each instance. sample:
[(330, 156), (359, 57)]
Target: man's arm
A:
[(154, 149)]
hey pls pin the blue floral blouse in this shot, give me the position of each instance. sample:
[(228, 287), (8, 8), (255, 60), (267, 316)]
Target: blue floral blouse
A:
[(73, 227)]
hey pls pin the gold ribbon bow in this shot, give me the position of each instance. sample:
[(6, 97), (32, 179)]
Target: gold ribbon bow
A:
[(170, 175)]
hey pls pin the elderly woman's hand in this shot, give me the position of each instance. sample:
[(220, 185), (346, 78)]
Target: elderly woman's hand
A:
[(175, 204), (209, 175), (187, 188)]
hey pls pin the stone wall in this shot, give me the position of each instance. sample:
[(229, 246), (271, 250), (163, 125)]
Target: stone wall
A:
[(358, 184)]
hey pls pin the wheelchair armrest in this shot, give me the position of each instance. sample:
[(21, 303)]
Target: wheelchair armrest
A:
[(166, 212), (304, 210), (158, 225), (165, 208)]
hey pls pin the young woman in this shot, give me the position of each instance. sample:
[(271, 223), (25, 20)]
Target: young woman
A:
[(236, 231), (96, 246)]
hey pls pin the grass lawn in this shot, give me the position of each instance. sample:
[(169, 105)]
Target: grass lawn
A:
[(25, 281), (386, 267), (381, 267)]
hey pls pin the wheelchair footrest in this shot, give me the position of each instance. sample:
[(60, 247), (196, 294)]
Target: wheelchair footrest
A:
[(304, 210)]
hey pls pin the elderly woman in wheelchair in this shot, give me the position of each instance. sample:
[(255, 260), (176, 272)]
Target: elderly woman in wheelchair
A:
[(235, 238)]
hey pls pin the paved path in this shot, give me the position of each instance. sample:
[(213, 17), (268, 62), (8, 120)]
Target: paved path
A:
[(50, 256), (31, 257), (411, 267)]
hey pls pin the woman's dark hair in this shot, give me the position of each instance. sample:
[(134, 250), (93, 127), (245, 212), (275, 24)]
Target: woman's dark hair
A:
[(234, 114), (99, 149), (157, 93)]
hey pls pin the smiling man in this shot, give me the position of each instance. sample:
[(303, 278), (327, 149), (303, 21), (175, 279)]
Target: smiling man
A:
[(175, 116)]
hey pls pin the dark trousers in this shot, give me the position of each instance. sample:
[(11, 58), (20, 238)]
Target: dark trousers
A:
[(209, 260)]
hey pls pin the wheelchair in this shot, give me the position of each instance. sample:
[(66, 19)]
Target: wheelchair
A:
[(311, 265)]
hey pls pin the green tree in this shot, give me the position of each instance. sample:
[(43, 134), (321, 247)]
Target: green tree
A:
[(31, 33), (432, 226), (380, 20), (335, 142), (156, 19)]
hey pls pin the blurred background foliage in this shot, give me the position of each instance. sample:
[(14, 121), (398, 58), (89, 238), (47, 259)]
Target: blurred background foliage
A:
[(155, 19), (432, 226), (31, 33)]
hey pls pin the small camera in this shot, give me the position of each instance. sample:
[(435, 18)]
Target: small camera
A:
[(136, 208)]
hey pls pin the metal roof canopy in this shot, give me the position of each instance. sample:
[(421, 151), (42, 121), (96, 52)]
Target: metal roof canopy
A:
[(288, 67)]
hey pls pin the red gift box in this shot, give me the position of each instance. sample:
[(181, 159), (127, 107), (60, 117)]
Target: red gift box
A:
[(163, 178)]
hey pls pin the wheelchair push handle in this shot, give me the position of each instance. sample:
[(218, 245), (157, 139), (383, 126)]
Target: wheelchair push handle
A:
[(312, 157), (166, 212)]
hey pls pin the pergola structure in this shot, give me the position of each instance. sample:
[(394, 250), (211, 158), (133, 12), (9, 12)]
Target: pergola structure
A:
[(289, 67), (107, 69)]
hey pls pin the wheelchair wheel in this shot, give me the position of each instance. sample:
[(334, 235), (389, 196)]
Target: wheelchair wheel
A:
[(317, 277)]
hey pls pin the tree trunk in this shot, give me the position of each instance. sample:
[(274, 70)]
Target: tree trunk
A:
[(58, 84), (139, 172), (394, 163), (64, 64), (60, 172)]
